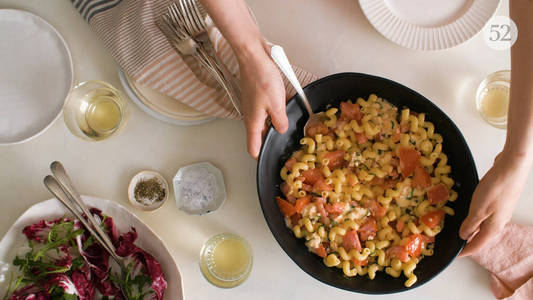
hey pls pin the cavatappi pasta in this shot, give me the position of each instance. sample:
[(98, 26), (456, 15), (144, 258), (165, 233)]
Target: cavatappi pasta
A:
[(368, 189)]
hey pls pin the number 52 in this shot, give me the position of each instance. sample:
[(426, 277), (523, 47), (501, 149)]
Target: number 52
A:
[(500, 32)]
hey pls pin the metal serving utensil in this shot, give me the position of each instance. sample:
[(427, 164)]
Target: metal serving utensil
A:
[(172, 26), (279, 57), (62, 188), (193, 16)]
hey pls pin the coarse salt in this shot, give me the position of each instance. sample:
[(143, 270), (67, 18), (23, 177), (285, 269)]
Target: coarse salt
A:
[(198, 189)]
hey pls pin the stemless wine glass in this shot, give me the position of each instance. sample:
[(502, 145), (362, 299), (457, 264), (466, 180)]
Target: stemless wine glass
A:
[(492, 98), (226, 260), (94, 110)]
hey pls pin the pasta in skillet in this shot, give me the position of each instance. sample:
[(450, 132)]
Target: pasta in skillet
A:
[(368, 189)]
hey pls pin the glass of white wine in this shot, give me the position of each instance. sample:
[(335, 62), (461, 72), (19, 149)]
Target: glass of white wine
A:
[(492, 98), (226, 260), (95, 110)]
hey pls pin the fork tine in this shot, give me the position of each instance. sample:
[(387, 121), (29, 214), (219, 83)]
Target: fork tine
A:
[(200, 13), (194, 15)]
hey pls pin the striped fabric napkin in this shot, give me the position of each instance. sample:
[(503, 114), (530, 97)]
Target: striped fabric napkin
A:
[(129, 33)]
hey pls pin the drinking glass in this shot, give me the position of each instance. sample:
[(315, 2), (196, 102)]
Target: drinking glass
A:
[(95, 110), (492, 98)]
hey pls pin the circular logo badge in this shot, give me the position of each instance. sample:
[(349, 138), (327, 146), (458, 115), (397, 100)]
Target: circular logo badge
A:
[(500, 33)]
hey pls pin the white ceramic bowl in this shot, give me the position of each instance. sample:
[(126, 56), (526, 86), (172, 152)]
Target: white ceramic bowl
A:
[(146, 175)]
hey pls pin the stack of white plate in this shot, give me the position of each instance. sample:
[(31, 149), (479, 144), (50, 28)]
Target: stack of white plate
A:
[(160, 106)]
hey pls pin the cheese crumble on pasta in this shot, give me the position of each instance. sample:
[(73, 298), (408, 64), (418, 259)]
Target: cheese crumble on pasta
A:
[(368, 189)]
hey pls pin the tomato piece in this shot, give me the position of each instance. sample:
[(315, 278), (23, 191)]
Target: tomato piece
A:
[(290, 163), (335, 208), (421, 178), (311, 176), (351, 241), (351, 111), (336, 159), (295, 218), (321, 251), (398, 252), (432, 218), (307, 187), (302, 203), (375, 208), (400, 225), (438, 193), (361, 138), (357, 262), (414, 245), (286, 208), (321, 186), (409, 159), (368, 229), (318, 128), (286, 189)]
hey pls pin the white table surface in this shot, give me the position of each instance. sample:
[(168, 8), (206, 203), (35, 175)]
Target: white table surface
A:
[(325, 37)]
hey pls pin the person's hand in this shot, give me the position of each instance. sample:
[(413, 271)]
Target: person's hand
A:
[(263, 94), (493, 201)]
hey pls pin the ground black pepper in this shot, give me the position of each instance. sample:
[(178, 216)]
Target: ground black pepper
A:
[(149, 189)]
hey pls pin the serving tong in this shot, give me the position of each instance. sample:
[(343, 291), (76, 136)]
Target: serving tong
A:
[(61, 187), (184, 25)]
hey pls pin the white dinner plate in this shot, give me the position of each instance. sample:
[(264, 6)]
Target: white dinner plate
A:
[(35, 75), (124, 220), (160, 106), (429, 24)]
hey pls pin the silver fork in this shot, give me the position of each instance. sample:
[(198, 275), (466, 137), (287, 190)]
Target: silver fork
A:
[(193, 16), (61, 187), (170, 24)]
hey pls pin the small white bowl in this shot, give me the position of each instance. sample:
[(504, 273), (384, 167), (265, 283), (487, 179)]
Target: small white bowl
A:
[(214, 187), (146, 175)]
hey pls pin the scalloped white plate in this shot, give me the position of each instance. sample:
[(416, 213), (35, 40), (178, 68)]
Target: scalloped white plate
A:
[(124, 219), (429, 24)]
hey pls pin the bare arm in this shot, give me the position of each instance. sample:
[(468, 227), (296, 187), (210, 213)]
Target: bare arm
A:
[(263, 93), (498, 192)]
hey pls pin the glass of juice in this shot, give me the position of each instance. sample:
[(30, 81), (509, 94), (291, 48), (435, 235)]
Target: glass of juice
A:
[(95, 110), (226, 260), (492, 98)]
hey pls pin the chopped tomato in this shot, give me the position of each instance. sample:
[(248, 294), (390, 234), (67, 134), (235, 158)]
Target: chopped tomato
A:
[(311, 176), (398, 252), (414, 245), (336, 159), (421, 179), (400, 225), (286, 189), (321, 186), (321, 210), (368, 230), (318, 128), (438, 193), (286, 208), (301, 203), (377, 181), (351, 241), (335, 208), (307, 187), (432, 218), (321, 251), (351, 111), (295, 218), (290, 163), (375, 208), (357, 262), (361, 138), (409, 159)]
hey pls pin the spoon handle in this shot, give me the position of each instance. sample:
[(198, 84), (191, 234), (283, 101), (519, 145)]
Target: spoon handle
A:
[(279, 57)]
